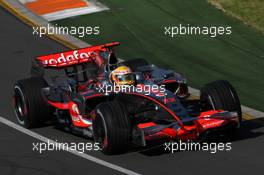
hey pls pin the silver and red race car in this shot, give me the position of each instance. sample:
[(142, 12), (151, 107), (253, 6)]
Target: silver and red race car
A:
[(75, 90)]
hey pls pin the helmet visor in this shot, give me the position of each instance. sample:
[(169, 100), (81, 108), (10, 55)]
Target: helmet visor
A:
[(125, 78)]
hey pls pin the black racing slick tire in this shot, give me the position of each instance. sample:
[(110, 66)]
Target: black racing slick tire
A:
[(222, 95), (112, 127), (30, 108), (133, 64)]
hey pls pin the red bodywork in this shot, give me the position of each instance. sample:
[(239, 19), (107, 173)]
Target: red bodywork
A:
[(72, 57), (202, 124)]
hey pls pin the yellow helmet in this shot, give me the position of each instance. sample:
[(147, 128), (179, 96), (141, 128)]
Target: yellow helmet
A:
[(122, 75)]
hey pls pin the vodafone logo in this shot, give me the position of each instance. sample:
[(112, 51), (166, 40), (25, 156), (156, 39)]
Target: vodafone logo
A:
[(82, 55), (66, 59)]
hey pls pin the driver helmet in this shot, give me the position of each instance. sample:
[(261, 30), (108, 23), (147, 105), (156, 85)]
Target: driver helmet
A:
[(122, 75)]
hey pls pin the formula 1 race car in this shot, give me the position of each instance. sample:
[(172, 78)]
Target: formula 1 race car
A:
[(118, 103)]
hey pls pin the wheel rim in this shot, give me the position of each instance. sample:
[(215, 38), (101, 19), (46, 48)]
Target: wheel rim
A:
[(211, 102), (100, 130), (20, 105)]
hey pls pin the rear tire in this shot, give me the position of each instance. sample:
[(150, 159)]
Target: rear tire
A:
[(112, 127), (30, 108), (221, 95)]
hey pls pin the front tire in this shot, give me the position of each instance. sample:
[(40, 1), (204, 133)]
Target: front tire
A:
[(221, 95), (30, 108), (112, 127)]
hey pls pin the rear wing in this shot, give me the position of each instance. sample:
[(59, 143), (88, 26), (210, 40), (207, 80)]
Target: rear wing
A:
[(73, 57)]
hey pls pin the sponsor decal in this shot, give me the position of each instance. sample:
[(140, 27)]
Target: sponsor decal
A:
[(67, 58)]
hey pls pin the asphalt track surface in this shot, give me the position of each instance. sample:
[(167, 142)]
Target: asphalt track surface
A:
[(18, 46)]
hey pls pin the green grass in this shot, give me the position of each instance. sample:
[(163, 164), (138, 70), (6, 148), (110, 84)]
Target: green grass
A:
[(249, 11), (139, 26)]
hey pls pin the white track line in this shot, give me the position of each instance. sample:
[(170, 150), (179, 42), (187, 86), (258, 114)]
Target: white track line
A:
[(85, 156)]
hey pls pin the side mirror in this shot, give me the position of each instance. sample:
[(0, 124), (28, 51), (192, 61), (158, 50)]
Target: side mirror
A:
[(112, 61), (139, 76)]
